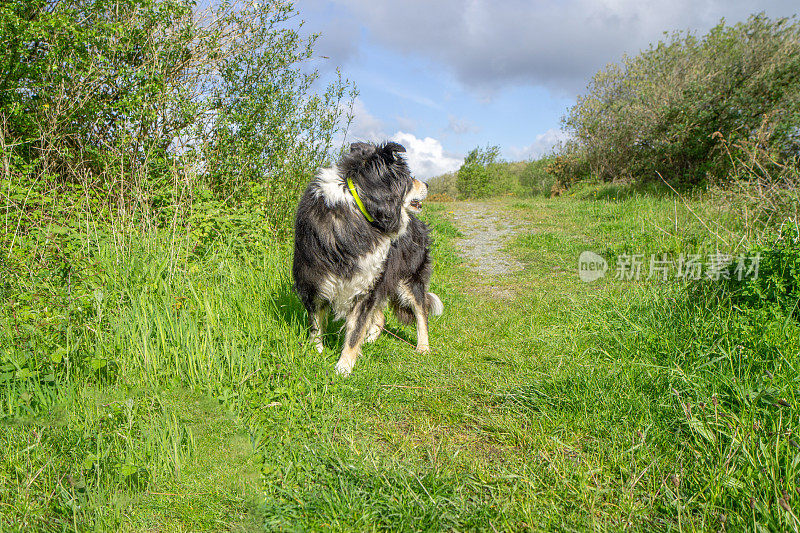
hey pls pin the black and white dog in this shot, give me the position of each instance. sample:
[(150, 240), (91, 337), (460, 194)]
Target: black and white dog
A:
[(358, 246)]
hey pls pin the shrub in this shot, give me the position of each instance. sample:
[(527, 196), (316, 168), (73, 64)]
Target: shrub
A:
[(666, 110), (536, 179), (444, 187), (567, 167), (476, 174), (763, 192), (137, 103), (482, 176), (777, 283), (118, 117)]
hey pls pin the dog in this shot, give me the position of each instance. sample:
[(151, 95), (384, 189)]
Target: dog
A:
[(358, 247)]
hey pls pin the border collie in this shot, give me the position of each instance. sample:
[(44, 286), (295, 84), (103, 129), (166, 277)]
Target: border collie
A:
[(358, 246)]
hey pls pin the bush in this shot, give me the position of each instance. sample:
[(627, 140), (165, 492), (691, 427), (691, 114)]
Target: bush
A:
[(777, 283), (536, 179), (666, 111), (443, 188), (124, 121), (476, 174), (763, 192), (569, 166), (482, 175), (135, 104)]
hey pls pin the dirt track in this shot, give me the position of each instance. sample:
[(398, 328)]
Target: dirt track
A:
[(487, 230)]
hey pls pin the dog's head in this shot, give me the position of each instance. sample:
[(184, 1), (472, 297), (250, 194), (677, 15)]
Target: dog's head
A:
[(384, 183)]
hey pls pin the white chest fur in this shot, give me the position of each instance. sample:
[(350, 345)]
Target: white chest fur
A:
[(343, 292)]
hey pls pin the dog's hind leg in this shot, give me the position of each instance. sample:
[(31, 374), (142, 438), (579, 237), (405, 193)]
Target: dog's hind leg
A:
[(376, 326), (356, 327), (319, 319), (421, 314), (432, 306), (420, 305), (412, 298)]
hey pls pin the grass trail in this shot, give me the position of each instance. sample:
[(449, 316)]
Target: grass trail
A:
[(517, 418)]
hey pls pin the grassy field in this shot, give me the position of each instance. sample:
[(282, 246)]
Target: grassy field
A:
[(562, 405)]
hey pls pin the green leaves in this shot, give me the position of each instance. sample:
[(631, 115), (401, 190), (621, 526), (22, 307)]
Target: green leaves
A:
[(688, 107), (777, 282), (478, 174), (143, 102)]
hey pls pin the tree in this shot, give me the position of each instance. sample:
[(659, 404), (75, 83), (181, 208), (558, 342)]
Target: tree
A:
[(475, 175)]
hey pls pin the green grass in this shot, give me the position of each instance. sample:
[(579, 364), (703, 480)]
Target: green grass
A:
[(187, 396)]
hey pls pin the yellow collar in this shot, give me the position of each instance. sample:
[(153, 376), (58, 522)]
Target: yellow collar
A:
[(358, 200)]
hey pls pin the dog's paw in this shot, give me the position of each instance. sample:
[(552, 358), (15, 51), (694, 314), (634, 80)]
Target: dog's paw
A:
[(374, 333), (423, 348), (343, 368), (319, 347)]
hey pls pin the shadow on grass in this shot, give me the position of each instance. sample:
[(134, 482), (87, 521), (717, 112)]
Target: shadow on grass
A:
[(288, 309), (618, 192), (334, 335)]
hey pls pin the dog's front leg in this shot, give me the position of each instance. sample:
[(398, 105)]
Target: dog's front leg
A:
[(356, 326), (319, 319)]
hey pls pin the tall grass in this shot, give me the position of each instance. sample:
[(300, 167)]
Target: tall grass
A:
[(717, 383), (173, 391), (93, 402)]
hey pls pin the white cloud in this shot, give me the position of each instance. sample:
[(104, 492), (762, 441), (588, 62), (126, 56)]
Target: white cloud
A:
[(426, 157), (543, 144), (365, 125), (460, 126)]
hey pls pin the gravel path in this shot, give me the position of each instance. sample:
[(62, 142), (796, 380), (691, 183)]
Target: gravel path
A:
[(487, 229)]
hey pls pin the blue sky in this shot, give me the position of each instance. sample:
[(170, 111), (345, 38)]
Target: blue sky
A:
[(443, 77)]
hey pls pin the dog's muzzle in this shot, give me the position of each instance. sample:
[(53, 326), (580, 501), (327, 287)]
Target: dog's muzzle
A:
[(418, 193)]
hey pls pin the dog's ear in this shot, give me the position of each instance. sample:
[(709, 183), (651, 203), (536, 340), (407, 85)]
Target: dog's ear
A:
[(389, 150), (362, 149), (394, 147)]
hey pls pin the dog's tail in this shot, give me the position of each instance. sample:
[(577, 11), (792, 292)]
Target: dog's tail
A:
[(406, 315), (435, 305)]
